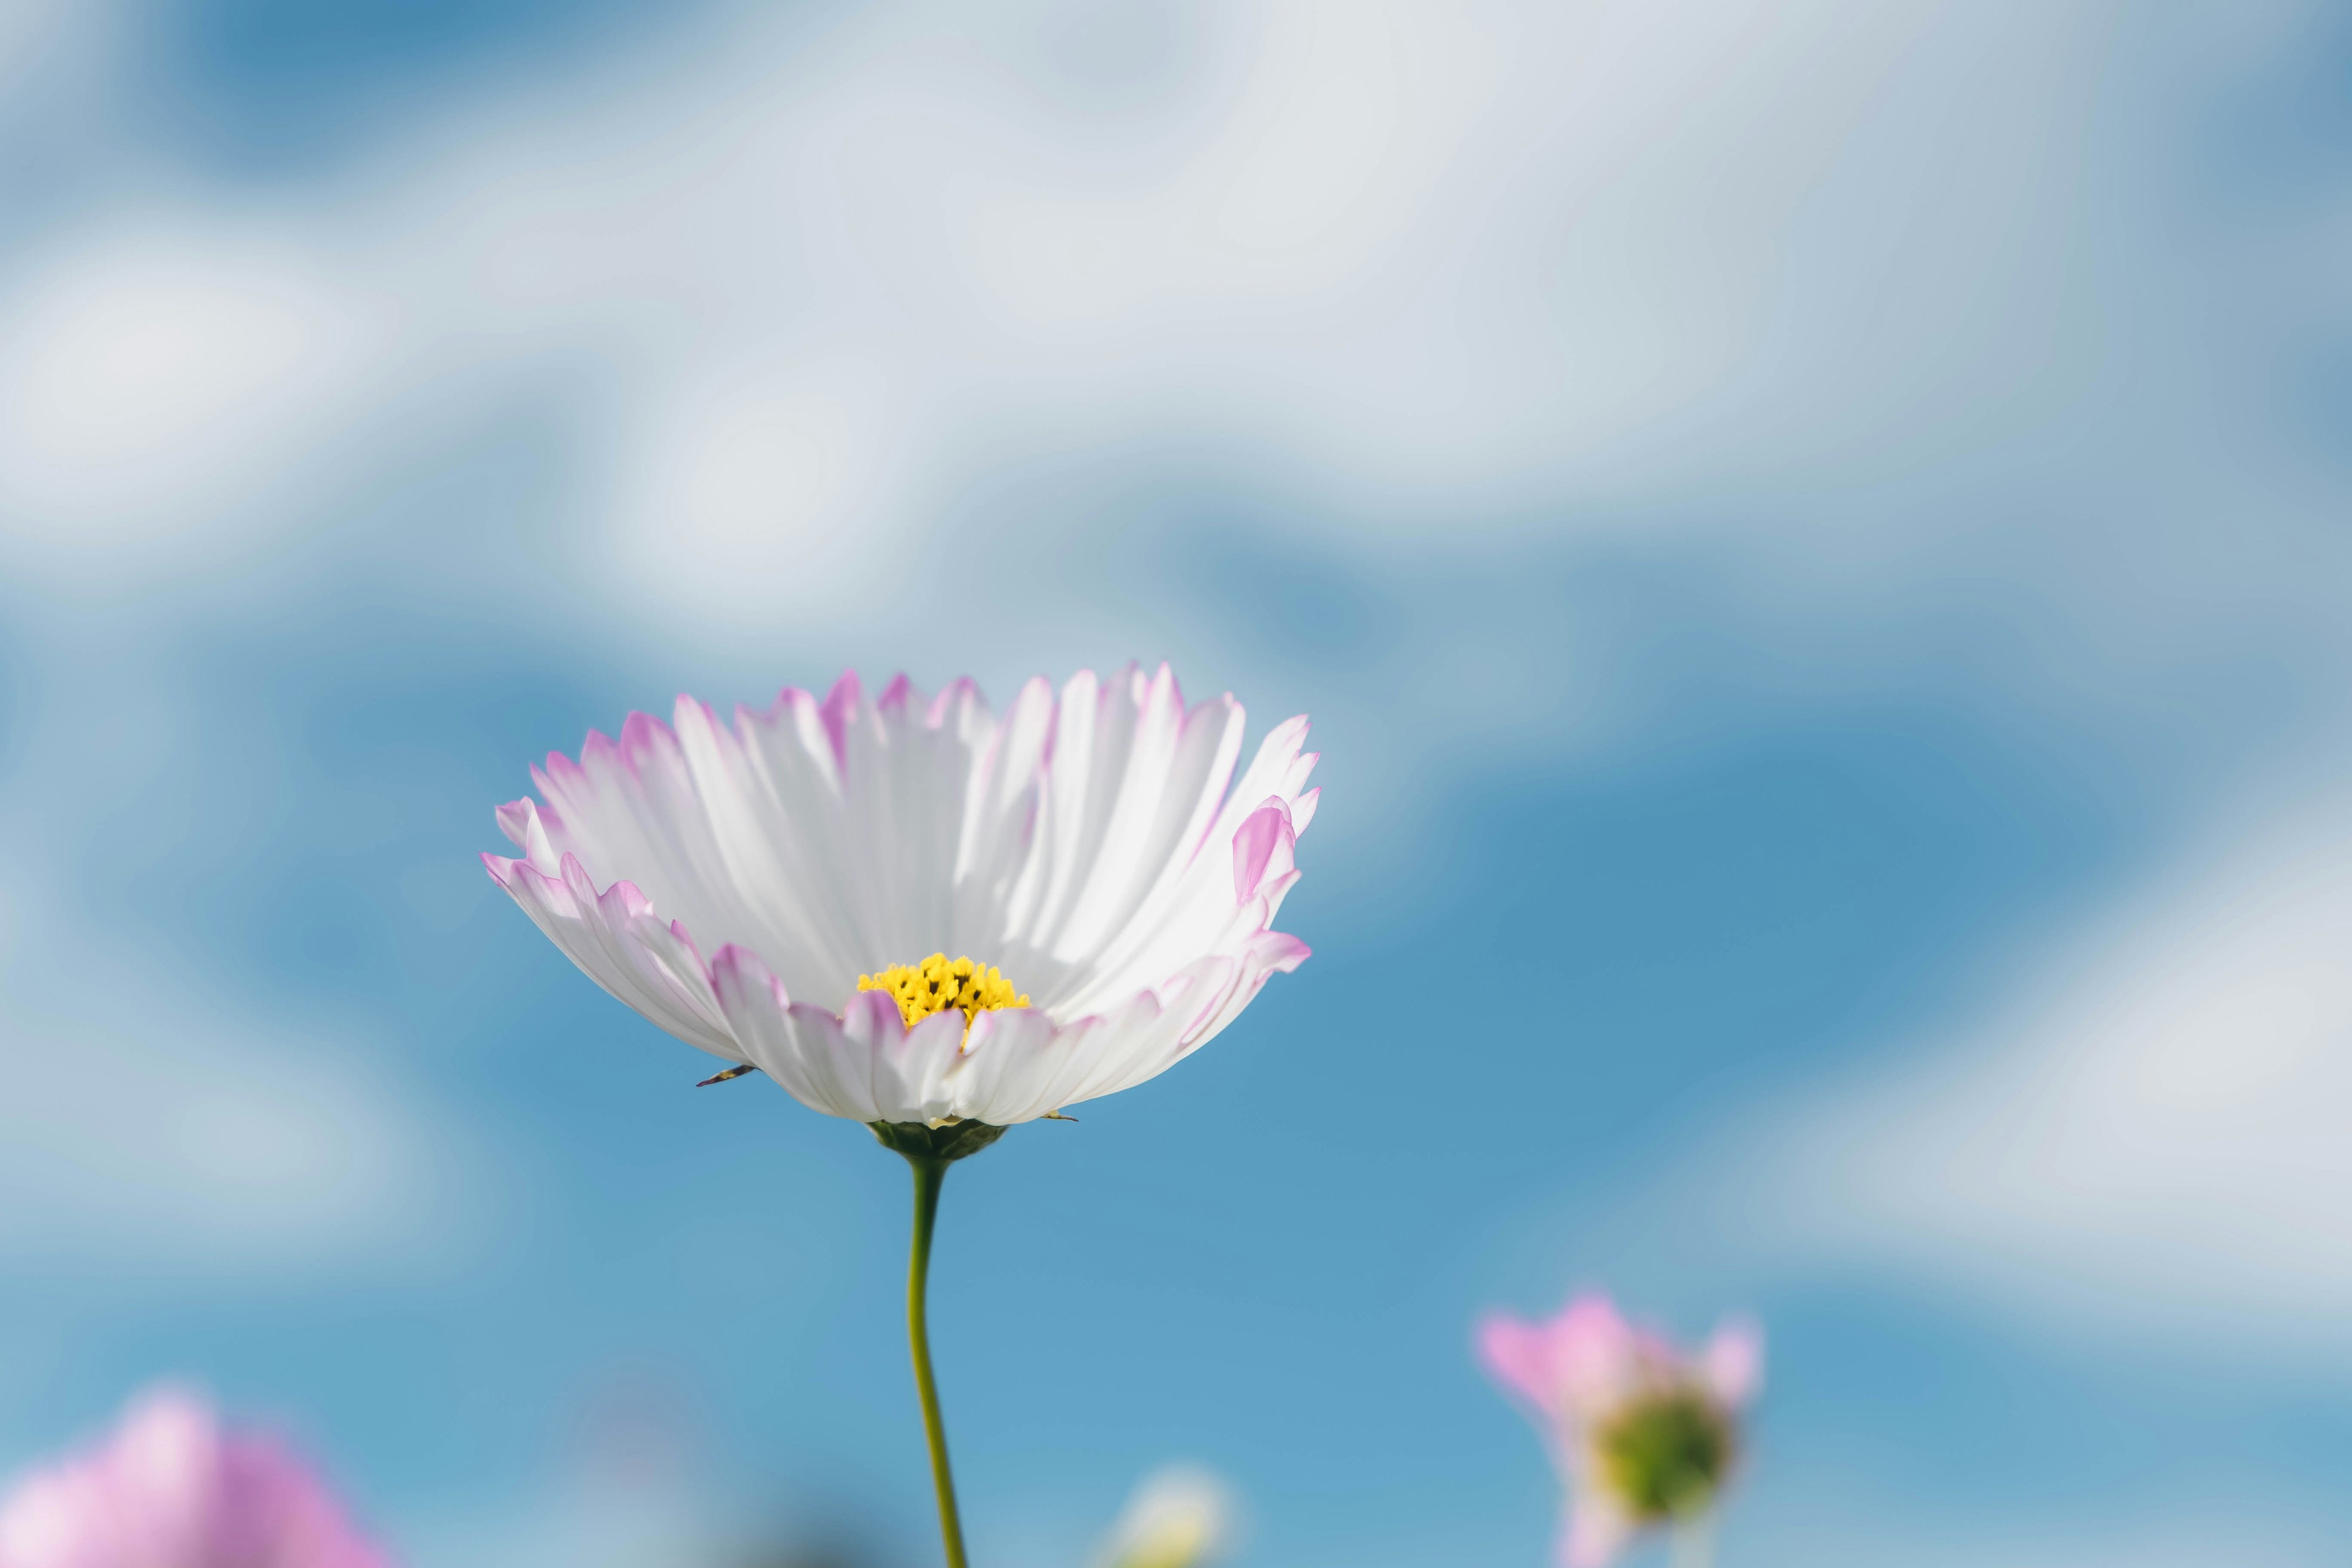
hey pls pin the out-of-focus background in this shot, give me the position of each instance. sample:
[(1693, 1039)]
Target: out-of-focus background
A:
[(1813, 533)]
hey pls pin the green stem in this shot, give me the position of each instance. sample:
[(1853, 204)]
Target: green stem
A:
[(1692, 1540), (929, 1175)]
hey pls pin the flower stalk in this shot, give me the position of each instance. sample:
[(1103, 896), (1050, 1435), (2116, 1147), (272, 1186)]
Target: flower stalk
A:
[(931, 1174), (929, 1151), (1692, 1541)]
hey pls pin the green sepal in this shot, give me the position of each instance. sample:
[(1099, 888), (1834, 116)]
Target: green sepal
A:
[(918, 1142)]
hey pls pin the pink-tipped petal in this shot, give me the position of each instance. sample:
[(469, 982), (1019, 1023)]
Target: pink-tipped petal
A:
[(759, 1013), (1517, 1355), (1593, 1533), (1263, 956), (1302, 809), (911, 1070), (1596, 1354), (1006, 1066), (871, 1026), (1260, 848), (839, 1069), (844, 700), (1150, 1031), (1733, 1361), (618, 941)]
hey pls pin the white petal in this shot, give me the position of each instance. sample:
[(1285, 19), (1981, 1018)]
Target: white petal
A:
[(618, 941), (1009, 1065), (910, 1065), (797, 1050), (1153, 1031), (907, 766)]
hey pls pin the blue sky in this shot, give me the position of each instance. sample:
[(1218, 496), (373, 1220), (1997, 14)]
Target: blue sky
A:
[(1810, 532)]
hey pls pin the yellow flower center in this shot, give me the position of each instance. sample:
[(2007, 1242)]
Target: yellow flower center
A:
[(940, 983)]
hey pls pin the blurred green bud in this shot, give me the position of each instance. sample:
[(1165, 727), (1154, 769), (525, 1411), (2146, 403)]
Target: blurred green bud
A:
[(1665, 1455)]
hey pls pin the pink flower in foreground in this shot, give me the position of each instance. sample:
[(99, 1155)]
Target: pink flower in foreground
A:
[(1643, 1433), (171, 1489), (882, 886)]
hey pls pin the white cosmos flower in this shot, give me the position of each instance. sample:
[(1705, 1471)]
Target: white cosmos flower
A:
[(1087, 847)]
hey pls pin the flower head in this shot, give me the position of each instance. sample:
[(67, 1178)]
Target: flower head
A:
[(1644, 1433), (170, 1490), (918, 911), (1180, 1517)]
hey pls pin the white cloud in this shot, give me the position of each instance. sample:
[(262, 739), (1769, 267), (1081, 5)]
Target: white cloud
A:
[(153, 1133), (155, 1126), (2154, 1135), (150, 378), (26, 28), (817, 286), (1545, 268), (761, 467)]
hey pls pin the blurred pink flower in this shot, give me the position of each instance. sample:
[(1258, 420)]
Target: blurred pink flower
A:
[(1642, 1433), (171, 1489)]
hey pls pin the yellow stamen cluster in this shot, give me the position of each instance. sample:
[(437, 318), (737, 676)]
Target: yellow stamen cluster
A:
[(940, 983)]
